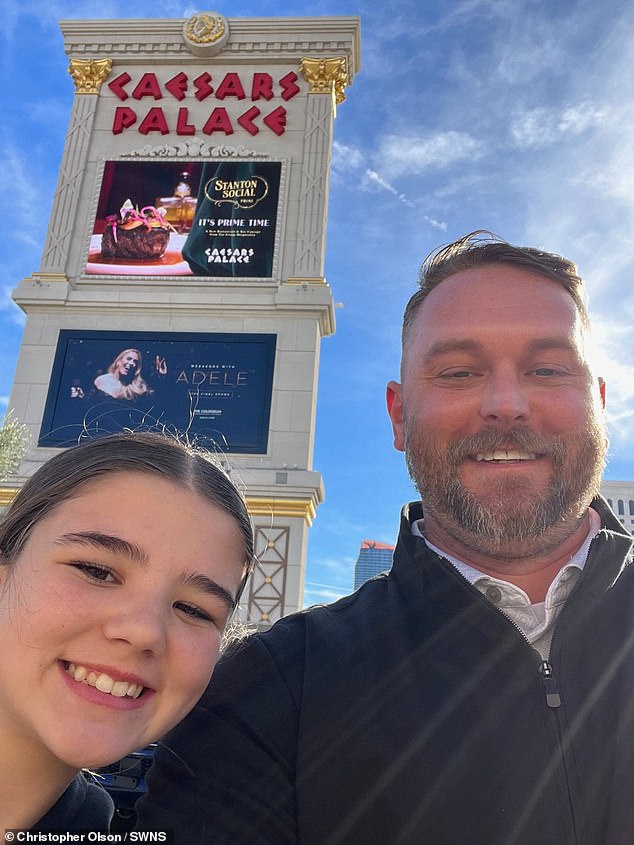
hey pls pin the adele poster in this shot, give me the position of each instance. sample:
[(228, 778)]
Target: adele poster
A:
[(215, 389)]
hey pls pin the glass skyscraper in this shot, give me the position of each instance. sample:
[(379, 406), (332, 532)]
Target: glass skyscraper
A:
[(373, 558)]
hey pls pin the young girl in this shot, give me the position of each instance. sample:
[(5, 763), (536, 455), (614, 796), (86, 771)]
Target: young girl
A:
[(121, 561)]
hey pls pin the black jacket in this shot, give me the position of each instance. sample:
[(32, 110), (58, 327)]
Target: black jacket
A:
[(83, 806), (414, 712)]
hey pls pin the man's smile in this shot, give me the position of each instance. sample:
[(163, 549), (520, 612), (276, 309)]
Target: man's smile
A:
[(505, 456)]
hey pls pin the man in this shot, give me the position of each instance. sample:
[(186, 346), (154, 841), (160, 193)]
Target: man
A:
[(483, 691)]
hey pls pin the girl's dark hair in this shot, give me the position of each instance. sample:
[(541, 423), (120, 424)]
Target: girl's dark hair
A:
[(62, 477)]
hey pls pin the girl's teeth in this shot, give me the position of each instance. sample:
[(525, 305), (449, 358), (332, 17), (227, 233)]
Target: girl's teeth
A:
[(103, 682), (120, 689)]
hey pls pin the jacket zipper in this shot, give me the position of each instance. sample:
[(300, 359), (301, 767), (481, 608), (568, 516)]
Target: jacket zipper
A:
[(551, 691), (553, 699), (547, 674)]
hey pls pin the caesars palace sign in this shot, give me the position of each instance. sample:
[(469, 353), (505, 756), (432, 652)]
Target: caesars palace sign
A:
[(220, 103), (259, 88)]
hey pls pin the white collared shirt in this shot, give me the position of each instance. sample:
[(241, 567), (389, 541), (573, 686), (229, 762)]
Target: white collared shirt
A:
[(536, 621)]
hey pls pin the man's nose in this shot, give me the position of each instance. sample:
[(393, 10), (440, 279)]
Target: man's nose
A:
[(505, 399)]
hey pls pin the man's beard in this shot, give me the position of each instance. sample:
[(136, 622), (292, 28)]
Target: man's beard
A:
[(510, 519)]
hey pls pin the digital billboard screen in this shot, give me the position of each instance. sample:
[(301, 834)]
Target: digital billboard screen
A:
[(213, 388), (186, 218)]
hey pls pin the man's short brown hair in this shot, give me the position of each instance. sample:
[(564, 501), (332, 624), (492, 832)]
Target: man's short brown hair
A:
[(482, 247)]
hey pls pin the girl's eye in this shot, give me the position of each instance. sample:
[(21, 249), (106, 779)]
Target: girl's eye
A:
[(94, 571), (193, 611)]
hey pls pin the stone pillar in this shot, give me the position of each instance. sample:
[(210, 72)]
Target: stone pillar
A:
[(88, 76), (328, 78)]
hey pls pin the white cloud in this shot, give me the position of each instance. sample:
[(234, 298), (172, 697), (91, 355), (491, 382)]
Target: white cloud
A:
[(323, 595), (7, 304), (336, 579), (371, 177), (345, 157), (337, 564), (437, 224), (464, 13), (413, 155), (542, 126), (19, 180)]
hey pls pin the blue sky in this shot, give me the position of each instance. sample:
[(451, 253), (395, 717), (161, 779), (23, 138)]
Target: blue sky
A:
[(510, 115)]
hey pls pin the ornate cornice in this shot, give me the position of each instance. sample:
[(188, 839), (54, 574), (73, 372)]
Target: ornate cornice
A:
[(326, 76), (7, 495), (259, 39), (302, 508), (89, 74), (193, 148), (42, 278)]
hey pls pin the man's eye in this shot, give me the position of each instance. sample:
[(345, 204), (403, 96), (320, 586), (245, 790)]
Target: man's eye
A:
[(94, 571), (457, 374), (547, 371)]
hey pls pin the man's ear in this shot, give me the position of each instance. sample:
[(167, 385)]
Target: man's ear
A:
[(394, 399), (602, 391)]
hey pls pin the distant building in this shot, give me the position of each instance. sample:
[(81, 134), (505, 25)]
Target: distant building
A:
[(620, 496), (373, 558)]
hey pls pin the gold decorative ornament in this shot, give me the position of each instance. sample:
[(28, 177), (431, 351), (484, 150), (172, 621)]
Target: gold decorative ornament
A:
[(7, 495), (294, 508), (89, 74), (41, 278), (204, 28), (206, 33), (303, 282), (326, 76)]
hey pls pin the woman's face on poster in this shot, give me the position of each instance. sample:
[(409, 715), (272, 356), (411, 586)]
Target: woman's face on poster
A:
[(128, 362)]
